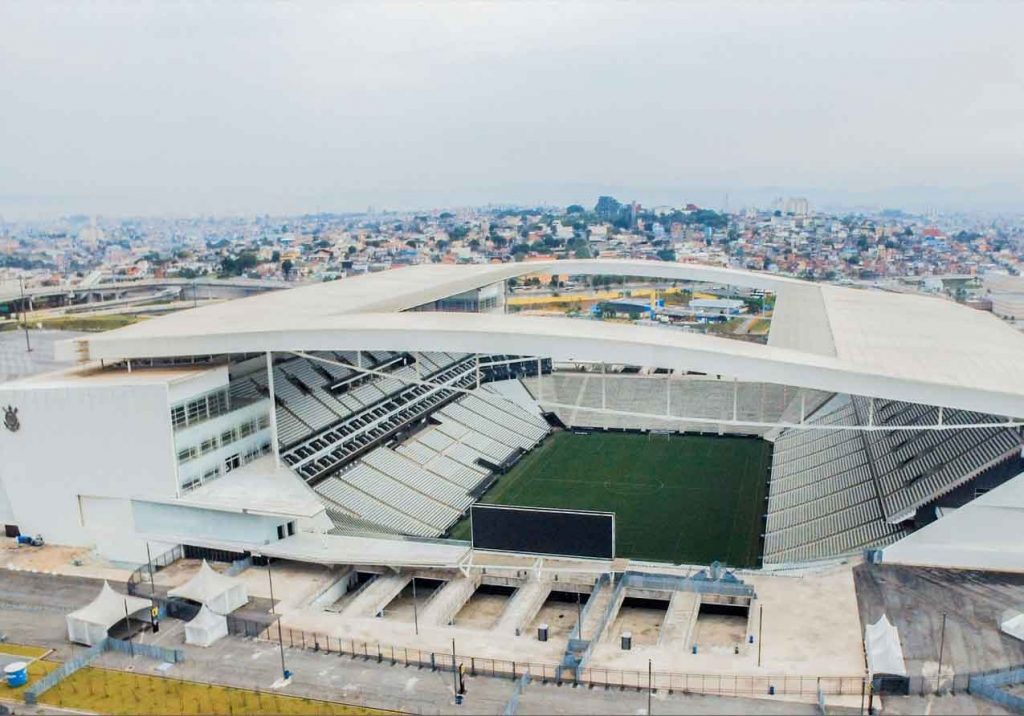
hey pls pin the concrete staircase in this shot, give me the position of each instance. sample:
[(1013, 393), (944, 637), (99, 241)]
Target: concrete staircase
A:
[(677, 627), (372, 599), (444, 605), (523, 607)]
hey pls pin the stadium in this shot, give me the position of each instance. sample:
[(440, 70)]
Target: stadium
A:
[(589, 478)]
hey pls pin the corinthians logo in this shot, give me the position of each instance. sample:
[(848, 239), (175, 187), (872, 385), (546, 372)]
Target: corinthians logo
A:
[(11, 421)]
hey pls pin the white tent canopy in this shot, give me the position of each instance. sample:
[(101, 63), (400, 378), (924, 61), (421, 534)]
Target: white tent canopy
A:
[(882, 643), (206, 628), (217, 591), (90, 624), (1014, 625)]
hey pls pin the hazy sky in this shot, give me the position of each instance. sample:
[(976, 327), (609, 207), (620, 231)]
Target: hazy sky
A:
[(243, 107)]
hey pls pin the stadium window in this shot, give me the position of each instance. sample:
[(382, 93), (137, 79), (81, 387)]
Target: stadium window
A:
[(208, 445), (232, 463), (264, 422), (186, 454), (178, 416), (291, 528), (280, 531), (227, 437)]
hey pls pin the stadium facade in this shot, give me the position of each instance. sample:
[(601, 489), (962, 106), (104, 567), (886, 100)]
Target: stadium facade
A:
[(356, 421)]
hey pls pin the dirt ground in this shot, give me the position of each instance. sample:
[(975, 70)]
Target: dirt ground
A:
[(643, 622), (559, 616), (57, 559), (482, 611), (719, 633), (401, 608)]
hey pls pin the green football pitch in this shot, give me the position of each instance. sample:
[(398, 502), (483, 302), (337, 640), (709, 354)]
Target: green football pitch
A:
[(680, 498)]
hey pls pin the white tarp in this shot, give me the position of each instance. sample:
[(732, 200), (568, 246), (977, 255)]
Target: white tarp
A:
[(1014, 626), (206, 627), (90, 624), (217, 591), (882, 644)]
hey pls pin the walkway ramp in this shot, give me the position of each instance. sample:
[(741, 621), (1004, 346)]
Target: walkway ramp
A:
[(523, 607), (370, 602), (444, 605), (600, 612), (677, 627)]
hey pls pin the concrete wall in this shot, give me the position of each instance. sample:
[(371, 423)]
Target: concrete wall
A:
[(205, 525), (80, 452)]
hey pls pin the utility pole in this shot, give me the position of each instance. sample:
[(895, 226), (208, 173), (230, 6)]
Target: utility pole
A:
[(280, 634), (415, 616), (153, 611), (24, 315), (128, 626), (760, 625), (942, 644), (650, 684), (455, 674), (579, 616)]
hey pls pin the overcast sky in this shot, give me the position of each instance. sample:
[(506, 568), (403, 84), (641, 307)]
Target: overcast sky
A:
[(220, 107)]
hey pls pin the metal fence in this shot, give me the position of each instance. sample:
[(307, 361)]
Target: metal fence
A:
[(671, 582), (141, 573), (512, 706), (152, 651), (716, 684), (992, 686), (33, 692)]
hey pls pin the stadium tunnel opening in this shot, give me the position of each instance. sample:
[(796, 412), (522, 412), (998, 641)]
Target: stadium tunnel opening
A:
[(413, 597), (642, 618), (485, 606)]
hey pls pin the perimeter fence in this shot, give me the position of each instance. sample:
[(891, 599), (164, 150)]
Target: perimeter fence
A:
[(590, 677)]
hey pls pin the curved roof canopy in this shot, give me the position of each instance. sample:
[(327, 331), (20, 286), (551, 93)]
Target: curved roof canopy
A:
[(899, 346)]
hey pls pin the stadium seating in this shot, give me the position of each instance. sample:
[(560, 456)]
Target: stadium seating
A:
[(333, 422), (690, 396), (835, 492), (915, 468), (424, 485)]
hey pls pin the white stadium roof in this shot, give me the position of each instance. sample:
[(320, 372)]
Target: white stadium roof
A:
[(905, 347)]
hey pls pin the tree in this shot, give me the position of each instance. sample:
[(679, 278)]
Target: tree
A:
[(275, 257), (286, 268), (246, 261), (575, 209), (667, 255), (607, 207)]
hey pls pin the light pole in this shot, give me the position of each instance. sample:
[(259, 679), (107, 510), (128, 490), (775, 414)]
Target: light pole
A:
[(455, 675), (649, 685), (24, 315), (415, 616), (942, 644), (280, 635)]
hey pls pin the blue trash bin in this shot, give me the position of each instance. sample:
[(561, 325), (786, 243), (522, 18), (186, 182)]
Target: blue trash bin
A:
[(16, 674)]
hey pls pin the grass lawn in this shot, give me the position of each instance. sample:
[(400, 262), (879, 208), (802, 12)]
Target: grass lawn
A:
[(689, 499), (87, 323), (106, 691)]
